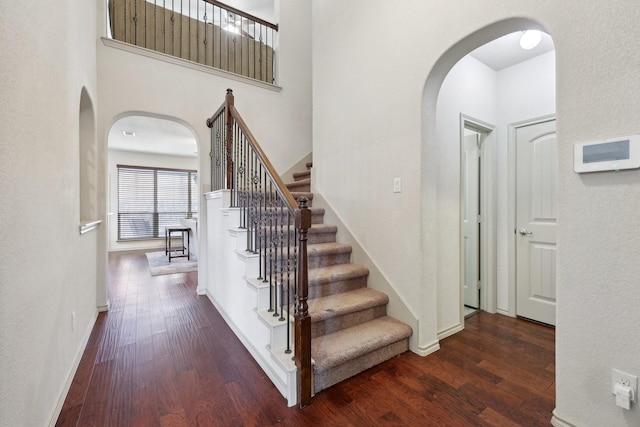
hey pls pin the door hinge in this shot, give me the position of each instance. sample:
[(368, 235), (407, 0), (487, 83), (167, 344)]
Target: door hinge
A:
[(479, 285), (480, 219)]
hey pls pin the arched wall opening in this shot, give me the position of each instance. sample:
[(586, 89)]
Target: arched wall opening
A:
[(442, 179), (150, 141), (88, 158)]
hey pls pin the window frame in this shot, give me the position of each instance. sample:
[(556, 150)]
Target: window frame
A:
[(157, 227)]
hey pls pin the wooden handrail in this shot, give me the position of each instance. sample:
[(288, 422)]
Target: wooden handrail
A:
[(244, 14), (281, 188)]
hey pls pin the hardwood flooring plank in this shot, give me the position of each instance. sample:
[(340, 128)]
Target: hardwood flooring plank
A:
[(94, 410), (198, 409), (120, 410), (169, 354), (168, 385), (145, 395), (495, 419)]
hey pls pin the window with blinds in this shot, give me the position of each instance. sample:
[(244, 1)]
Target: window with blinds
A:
[(151, 199)]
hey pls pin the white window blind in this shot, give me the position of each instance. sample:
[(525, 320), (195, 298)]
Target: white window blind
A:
[(151, 199)]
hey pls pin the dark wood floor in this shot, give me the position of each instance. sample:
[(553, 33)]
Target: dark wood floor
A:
[(162, 356)]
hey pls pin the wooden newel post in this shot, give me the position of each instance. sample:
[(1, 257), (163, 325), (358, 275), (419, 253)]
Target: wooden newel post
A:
[(302, 318), (229, 138)]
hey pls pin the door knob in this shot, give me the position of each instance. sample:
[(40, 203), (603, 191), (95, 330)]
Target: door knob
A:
[(524, 232)]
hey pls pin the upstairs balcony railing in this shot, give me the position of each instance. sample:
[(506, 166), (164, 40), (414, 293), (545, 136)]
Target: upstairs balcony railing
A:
[(276, 225), (204, 31)]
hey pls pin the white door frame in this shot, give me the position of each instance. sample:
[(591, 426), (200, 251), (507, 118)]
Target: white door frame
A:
[(511, 206), (488, 289)]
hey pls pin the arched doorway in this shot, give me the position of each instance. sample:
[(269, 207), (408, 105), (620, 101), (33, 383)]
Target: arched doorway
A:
[(156, 143), (463, 92)]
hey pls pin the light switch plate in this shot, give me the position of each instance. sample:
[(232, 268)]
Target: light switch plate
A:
[(397, 185)]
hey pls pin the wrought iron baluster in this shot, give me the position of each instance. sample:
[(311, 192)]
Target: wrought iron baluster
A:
[(173, 28), (197, 30), (288, 282), (155, 23), (164, 26), (145, 24), (263, 227), (135, 22), (205, 33), (280, 213), (261, 48), (275, 244)]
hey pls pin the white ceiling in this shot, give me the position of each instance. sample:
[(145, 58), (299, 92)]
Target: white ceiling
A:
[(506, 51), (152, 135)]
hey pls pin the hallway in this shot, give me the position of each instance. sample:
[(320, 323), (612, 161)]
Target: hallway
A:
[(163, 356)]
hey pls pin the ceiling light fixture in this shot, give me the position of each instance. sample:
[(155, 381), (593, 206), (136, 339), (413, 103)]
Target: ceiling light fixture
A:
[(128, 133), (530, 39)]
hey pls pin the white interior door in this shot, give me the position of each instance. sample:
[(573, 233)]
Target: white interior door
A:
[(470, 227), (536, 170)]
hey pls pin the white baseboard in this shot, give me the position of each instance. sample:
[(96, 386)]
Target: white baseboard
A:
[(450, 331), (264, 364), (423, 350), (65, 390), (556, 421), (503, 312)]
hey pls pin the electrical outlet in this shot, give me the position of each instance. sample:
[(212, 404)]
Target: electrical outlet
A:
[(619, 377), (397, 185), (73, 320)]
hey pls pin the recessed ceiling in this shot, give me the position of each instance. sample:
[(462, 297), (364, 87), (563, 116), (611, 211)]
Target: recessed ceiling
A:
[(506, 51), (146, 134)]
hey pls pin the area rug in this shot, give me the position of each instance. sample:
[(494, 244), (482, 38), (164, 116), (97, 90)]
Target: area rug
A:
[(159, 264)]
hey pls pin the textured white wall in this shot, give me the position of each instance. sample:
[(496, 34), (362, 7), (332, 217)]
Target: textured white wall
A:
[(48, 270), (471, 89), (369, 127)]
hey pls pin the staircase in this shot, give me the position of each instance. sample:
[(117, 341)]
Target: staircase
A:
[(351, 331)]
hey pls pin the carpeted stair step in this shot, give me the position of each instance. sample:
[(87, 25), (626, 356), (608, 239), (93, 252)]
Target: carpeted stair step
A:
[(325, 254), (345, 353), (318, 233), (282, 214), (346, 309), (321, 233), (302, 186), (297, 176), (317, 215), (324, 281)]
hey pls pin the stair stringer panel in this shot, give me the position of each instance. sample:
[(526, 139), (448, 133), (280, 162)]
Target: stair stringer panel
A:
[(238, 298)]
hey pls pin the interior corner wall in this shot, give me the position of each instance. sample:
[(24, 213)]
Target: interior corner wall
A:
[(471, 89), (368, 127), (49, 273), (130, 158)]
